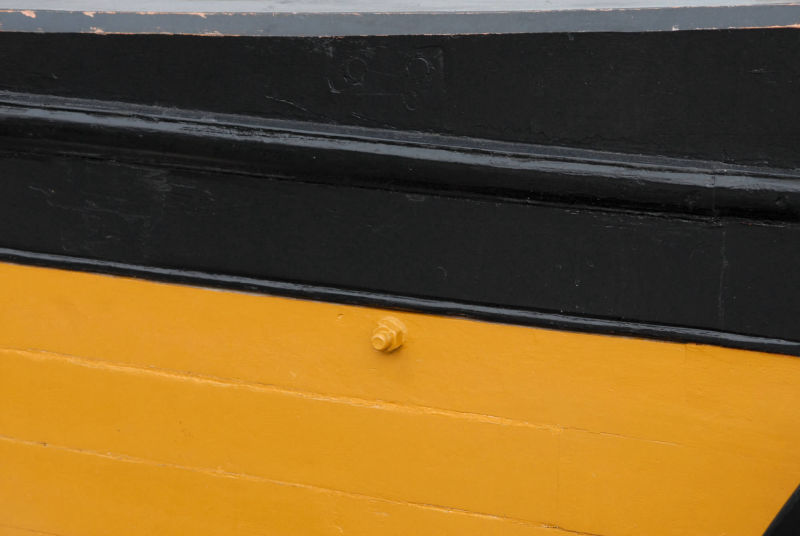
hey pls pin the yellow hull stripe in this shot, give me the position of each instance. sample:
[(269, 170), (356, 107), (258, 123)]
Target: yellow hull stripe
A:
[(133, 407)]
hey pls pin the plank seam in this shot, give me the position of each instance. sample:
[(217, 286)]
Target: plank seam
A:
[(36, 354), (218, 473), (378, 404), (32, 531)]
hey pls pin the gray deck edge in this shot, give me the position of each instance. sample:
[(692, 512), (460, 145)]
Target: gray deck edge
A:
[(397, 23)]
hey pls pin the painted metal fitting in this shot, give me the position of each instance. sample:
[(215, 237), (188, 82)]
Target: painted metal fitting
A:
[(389, 335)]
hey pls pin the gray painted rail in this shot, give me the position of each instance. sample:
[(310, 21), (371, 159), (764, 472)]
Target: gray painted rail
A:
[(397, 17)]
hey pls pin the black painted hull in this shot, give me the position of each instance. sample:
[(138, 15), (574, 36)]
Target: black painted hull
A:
[(640, 183), (471, 175)]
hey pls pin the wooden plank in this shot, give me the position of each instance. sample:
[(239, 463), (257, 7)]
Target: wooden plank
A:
[(620, 486), (63, 492), (695, 395), (595, 434), (467, 463), (577, 480)]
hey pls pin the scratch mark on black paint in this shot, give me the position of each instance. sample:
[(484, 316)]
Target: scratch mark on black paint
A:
[(289, 103), (46, 191), (332, 88)]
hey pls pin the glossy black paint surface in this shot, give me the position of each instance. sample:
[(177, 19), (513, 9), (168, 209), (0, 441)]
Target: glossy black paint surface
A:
[(397, 160), (727, 96), (104, 186), (637, 183)]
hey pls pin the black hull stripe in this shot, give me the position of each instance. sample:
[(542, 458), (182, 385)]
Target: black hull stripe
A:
[(728, 96), (391, 159), (406, 303), (566, 175), (400, 215)]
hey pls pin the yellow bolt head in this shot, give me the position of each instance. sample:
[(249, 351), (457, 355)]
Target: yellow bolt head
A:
[(389, 335)]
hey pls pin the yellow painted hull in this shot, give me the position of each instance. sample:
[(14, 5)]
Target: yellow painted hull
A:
[(133, 407)]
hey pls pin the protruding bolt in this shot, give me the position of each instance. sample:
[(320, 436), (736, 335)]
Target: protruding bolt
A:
[(389, 335)]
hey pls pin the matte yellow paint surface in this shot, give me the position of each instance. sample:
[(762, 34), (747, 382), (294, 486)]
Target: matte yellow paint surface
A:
[(132, 407)]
